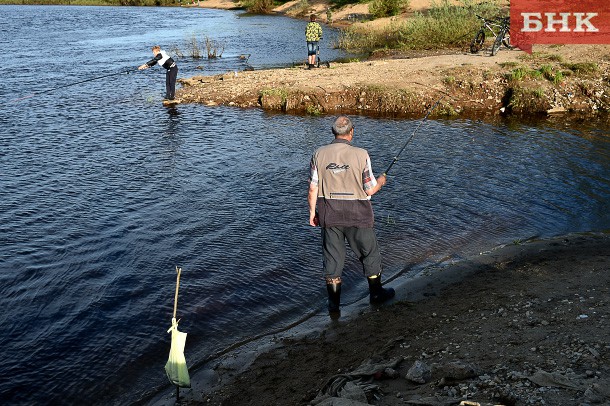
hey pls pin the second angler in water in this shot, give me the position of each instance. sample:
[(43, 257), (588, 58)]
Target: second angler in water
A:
[(165, 61)]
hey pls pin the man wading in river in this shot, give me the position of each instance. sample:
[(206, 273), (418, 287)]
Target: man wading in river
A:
[(341, 184), (164, 60)]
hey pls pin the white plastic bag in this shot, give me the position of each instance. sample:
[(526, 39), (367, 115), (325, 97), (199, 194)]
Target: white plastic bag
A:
[(176, 368)]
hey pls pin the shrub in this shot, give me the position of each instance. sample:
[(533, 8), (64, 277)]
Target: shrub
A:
[(526, 99), (194, 48), (258, 6), (444, 25), (214, 48), (387, 8)]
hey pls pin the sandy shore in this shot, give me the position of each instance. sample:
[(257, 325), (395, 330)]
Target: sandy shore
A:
[(522, 324)]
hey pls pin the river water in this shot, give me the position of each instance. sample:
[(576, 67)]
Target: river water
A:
[(103, 192)]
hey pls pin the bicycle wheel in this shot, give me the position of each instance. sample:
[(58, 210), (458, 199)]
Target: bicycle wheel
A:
[(477, 42), (498, 42), (506, 28), (506, 40)]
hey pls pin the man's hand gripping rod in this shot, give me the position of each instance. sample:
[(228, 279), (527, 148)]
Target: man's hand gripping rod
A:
[(412, 135)]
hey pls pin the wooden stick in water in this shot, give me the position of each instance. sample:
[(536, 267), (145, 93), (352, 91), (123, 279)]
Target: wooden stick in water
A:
[(178, 270)]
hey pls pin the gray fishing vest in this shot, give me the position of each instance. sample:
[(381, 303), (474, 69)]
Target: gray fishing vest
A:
[(341, 199)]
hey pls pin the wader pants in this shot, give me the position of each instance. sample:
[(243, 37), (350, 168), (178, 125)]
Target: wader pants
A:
[(170, 82), (363, 243)]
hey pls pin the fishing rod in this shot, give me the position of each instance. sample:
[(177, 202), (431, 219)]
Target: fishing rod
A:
[(413, 134), (73, 84)]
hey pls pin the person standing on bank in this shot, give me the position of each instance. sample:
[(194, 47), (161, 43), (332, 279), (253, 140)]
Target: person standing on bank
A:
[(164, 60), (313, 35), (341, 184)]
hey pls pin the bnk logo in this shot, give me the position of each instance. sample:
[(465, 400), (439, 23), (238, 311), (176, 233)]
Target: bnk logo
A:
[(559, 22)]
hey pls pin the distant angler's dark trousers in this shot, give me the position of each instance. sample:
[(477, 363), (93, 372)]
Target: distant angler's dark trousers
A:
[(170, 82)]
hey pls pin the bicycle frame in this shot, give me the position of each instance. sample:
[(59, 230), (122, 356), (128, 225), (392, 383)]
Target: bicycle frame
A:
[(489, 24), (502, 27)]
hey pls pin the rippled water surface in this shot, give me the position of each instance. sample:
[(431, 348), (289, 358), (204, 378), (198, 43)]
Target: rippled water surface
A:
[(103, 192)]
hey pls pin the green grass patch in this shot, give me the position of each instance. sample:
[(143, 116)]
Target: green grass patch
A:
[(510, 64), (446, 110), (445, 25), (550, 74), (546, 71), (518, 74), (280, 92), (314, 110), (526, 100), (581, 67)]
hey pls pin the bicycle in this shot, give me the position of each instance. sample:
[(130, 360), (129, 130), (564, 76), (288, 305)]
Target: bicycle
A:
[(318, 61), (501, 37)]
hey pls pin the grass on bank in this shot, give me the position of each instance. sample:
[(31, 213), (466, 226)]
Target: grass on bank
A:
[(444, 25), (553, 73)]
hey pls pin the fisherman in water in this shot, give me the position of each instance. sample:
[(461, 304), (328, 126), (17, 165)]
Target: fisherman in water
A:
[(164, 60), (341, 184)]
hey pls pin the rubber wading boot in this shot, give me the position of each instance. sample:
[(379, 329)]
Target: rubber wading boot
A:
[(379, 294), (334, 297)]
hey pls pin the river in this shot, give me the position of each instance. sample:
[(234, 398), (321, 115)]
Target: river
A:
[(103, 192)]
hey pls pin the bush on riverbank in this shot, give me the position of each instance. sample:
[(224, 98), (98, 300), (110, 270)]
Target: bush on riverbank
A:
[(387, 8), (445, 25), (258, 6)]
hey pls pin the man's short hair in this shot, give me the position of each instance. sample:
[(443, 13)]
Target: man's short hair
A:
[(342, 126), (156, 47), (312, 17)]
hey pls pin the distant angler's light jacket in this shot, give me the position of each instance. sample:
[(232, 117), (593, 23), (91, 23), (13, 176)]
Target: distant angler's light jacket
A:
[(313, 32)]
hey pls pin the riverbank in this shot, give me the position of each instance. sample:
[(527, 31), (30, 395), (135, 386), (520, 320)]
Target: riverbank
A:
[(522, 324), (555, 79), (559, 79)]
